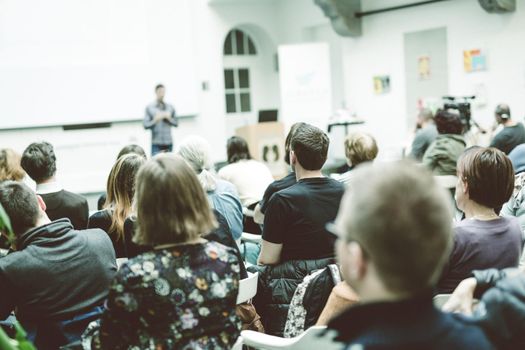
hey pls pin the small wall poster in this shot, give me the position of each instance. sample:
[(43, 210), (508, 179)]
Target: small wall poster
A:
[(474, 60), (381, 84), (423, 67)]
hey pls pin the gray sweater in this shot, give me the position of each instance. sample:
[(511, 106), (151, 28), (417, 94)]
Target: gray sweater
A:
[(56, 273)]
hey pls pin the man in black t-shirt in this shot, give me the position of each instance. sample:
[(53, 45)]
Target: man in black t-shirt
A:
[(294, 224), (280, 184), (513, 133)]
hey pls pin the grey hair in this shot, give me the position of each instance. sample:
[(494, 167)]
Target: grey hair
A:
[(195, 150)]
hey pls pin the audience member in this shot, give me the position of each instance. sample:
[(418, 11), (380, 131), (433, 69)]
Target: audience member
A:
[(10, 168), (516, 206), (294, 224), (394, 236), (442, 155), (222, 195), (119, 203), (513, 133), (425, 135), (501, 310), (182, 295), (517, 157), (39, 161), (360, 148), (132, 148), (57, 278), (484, 239), (280, 184), (250, 177)]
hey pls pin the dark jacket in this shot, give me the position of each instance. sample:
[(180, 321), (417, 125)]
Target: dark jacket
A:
[(65, 204), (56, 274), (124, 246), (501, 312), (408, 324), (442, 155), (276, 287)]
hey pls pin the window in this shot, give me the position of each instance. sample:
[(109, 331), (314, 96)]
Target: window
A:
[(238, 43), (237, 80), (237, 89)]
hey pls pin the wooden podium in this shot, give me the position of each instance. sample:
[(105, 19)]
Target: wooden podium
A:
[(266, 144)]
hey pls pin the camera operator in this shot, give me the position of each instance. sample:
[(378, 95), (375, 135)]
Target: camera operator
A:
[(425, 135), (513, 132)]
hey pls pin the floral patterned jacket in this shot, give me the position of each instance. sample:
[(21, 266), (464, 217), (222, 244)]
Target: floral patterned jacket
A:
[(177, 298)]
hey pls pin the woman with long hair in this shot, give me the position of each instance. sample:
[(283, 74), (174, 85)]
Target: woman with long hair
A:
[(182, 294), (119, 205)]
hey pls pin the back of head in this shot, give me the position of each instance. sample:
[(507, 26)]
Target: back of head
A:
[(171, 204), (489, 176), (288, 141), (39, 161), (310, 145), (121, 189), (20, 204), (360, 148), (403, 222), (195, 150), (502, 111), (136, 149), (10, 168), (237, 149), (448, 122)]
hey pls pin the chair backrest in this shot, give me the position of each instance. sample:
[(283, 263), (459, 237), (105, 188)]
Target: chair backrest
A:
[(440, 300), (247, 288), (446, 181), (250, 237), (310, 339)]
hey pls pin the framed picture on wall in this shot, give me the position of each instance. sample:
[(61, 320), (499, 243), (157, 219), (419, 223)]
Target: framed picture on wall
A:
[(474, 60), (423, 67), (381, 84)]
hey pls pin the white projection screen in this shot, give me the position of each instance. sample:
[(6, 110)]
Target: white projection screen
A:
[(77, 62)]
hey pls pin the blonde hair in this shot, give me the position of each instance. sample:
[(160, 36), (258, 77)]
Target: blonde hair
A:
[(10, 168), (360, 148), (171, 204), (121, 190)]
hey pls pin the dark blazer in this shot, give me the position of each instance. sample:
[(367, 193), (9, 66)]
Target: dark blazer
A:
[(57, 274), (65, 204)]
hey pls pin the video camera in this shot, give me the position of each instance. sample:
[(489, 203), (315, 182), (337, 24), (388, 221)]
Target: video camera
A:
[(462, 105)]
